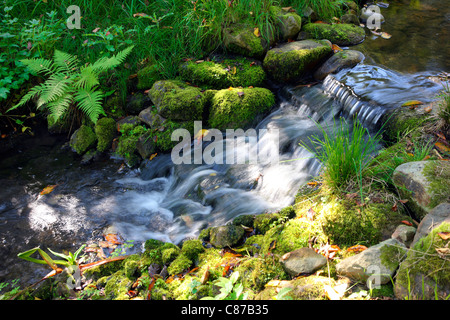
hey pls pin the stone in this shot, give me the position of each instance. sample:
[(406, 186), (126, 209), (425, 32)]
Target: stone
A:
[(404, 234), (425, 273), (288, 23), (137, 102), (436, 217), (133, 120), (226, 236), (151, 118), (145, 145), (337, 62), (175, 100), (241, 39), (105, 130), (350, 18), (416, 186), (302, 261), (296, 60), (239, 107), (83, 139), (342, 34), (378, 262)]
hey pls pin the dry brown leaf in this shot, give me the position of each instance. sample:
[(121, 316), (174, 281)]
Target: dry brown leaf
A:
[(442, 147), (357, 248), (444, 235), (256, 32)]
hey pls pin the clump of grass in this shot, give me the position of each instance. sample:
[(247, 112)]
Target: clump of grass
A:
[(344, 153), (324, 9), (444, 104)]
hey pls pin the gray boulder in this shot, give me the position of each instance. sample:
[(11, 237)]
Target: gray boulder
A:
[(338, 61), (303, 260)]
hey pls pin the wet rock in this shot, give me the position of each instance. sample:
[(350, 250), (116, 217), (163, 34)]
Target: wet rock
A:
[(226, 236), (350, 18), (378, 262), (303, 260), (105, 130), (134, 120), (337, 62), (137, 102), (293, 61), (437, 216), (145, 145), (341, 34)]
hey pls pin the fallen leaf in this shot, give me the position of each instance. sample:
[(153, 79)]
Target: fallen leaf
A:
[(428, 109), (385, 35), (233, 70), (357, 248), (426, 158), (442, 147), (277, 283), (205, 276), (444, 235), (141, 14), (331, 293), (47, 189), (287, 9), (403, 201), (442, 252), (153, 156), (240, 93), (256, 32), (113, 238), (230, 88), (199, 61), (310, 214), (394, 207), (406, 222), (336, 48), (411, 103)]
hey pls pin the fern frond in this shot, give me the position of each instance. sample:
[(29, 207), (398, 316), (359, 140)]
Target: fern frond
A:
[(55, 86), (104, 64), (39, 65), (65, 61), (88, 78), (59, 106), (90, 102), (36, 90)]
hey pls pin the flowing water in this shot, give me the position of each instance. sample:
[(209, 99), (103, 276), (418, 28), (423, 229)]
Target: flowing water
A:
[(170, 202)]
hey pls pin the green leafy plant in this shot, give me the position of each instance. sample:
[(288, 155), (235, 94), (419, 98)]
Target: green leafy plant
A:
[(229, 289), (70, 83), (69, 260), (444, 103)]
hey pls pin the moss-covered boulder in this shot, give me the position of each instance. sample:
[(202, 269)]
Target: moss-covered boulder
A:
[(226, 236), (147, 76), (341, 34), (128, 142), (105, 130), (243, 40), (288, 23), (177, 101), (424, 184), (263, 222), (223, 73), (83, 139), (238, 108), (293, 61), (425, 273), (337, 62)]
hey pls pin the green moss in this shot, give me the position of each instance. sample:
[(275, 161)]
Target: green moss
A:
[(147, 76), (117, 286), (127, 145), (105, 130), (223, 73), (83, 139), (168, 255), (175, 100), (180, 264), (240, 39), (131, 266), (438, 174), (164, 138), (257, 272), (192, 248), (341, 34), (237, 108), (293, 61), (424, 273)]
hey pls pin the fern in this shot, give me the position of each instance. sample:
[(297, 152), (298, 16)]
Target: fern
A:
[(68, 84)]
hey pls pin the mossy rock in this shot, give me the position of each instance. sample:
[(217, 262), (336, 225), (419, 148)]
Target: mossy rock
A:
[(117, 286), (257, 272), (147, 76), (341, 34), (127, 146), (241, 39), (177, 101), (238, 108), (296, 60), (223, 73), (105, 130), (338, 61), (163, 136), (226, 236), (180, 264), (192, 248), (425, 273), (263, 222), (83, 139), (288, 23)]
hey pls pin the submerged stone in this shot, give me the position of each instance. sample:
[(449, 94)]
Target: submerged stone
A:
[(338, 61)]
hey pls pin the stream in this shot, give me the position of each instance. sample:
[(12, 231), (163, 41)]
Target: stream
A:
[(170, 202)]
